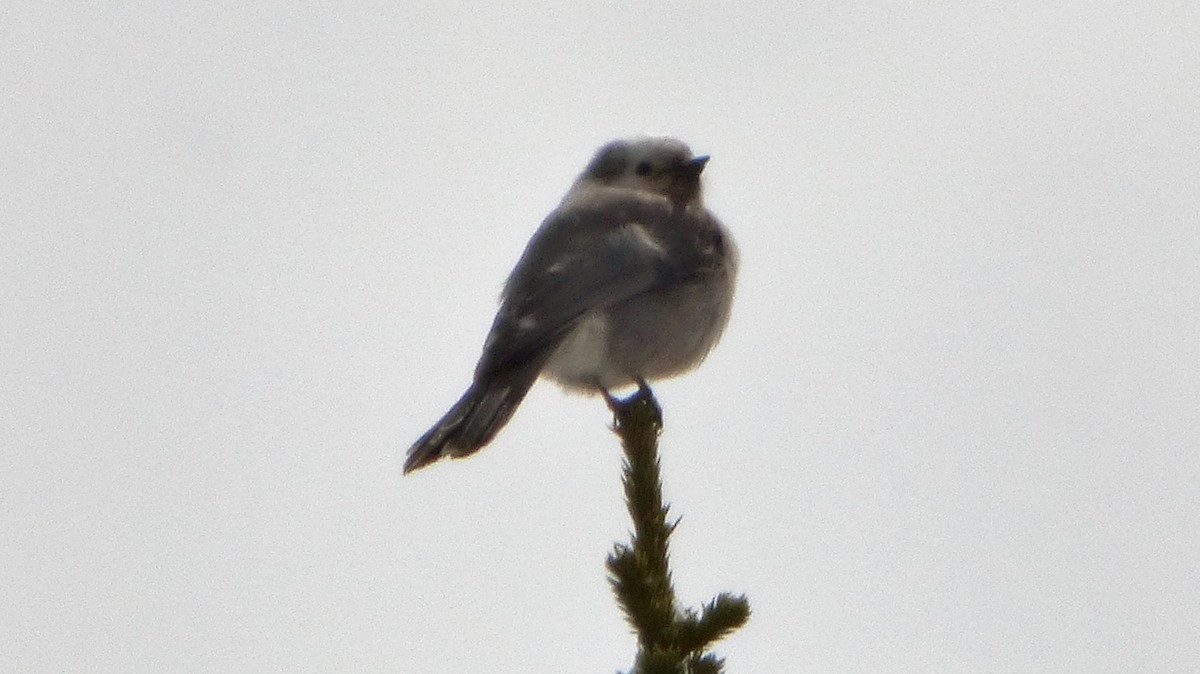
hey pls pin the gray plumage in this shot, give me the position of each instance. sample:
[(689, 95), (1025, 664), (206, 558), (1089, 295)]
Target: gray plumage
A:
[(630, 278)]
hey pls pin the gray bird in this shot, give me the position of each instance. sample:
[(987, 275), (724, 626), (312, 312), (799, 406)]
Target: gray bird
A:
[(629, 279)]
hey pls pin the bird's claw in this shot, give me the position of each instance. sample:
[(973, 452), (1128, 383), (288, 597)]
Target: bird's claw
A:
[(625, 409)]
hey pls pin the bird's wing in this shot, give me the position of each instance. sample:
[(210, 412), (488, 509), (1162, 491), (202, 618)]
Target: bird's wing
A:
[(582, 258)]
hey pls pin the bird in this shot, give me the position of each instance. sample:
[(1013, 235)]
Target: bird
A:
[(631, 278)]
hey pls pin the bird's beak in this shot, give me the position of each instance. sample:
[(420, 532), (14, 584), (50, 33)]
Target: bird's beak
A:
[(695, 166), (685, 188)]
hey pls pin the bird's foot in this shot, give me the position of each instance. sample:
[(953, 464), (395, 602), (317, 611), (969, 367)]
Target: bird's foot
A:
[(642, 402)]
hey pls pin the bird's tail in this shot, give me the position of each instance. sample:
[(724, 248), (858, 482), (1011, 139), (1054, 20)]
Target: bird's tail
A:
[(474, 420)]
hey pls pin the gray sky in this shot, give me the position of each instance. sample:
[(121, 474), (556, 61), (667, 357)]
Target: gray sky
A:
[(249, 254)]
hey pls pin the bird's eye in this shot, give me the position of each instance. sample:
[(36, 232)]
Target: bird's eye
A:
[(643, 168)]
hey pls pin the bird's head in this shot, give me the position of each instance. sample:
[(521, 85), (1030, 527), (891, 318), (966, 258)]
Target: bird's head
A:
[(659, 165)]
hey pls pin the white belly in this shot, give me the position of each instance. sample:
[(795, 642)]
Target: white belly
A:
[(581, 360)]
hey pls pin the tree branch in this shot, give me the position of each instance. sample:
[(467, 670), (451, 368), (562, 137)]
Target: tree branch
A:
[(669, 641)]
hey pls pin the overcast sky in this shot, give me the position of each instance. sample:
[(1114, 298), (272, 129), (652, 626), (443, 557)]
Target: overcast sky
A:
[(249, 253)]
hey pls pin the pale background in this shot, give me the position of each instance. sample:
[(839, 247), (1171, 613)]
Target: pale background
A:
[(250, 253)]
